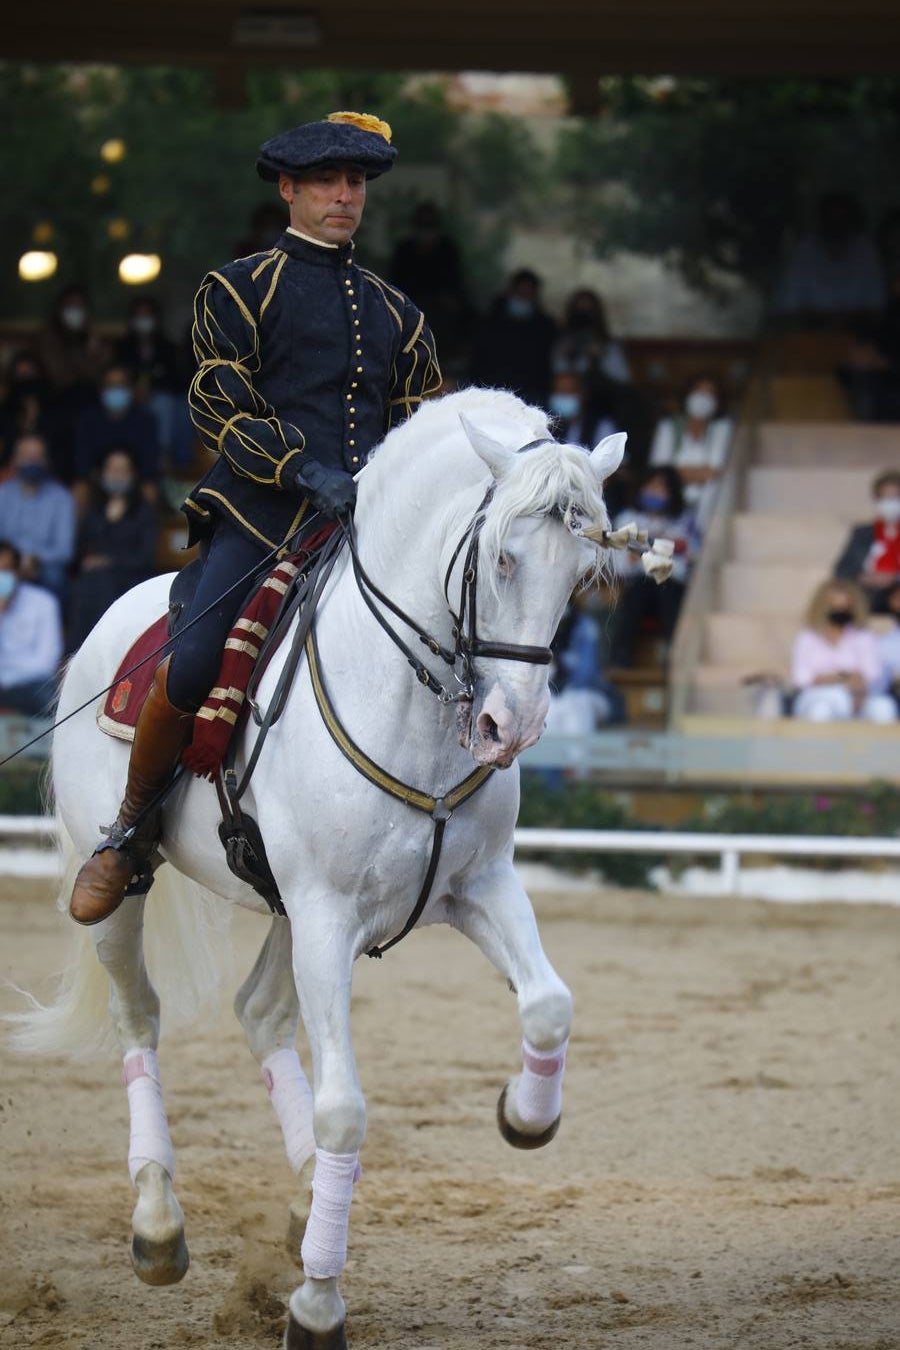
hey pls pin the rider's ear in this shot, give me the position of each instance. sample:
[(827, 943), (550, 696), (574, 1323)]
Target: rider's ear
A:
[(607, 456), (496, 456)]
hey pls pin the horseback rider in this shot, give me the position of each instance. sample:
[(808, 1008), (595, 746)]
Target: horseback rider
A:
[(305, 361)]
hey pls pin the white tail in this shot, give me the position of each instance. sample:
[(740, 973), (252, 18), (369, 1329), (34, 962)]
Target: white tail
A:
[(188, 955)]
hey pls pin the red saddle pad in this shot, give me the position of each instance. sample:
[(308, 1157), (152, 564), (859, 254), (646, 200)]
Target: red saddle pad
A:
[(119, 714)]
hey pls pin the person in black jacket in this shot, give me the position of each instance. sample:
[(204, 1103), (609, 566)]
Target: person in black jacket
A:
[(304, 361), (116, 546)]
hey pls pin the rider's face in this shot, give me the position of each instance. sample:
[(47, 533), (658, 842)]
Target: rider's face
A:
[(326, 203)]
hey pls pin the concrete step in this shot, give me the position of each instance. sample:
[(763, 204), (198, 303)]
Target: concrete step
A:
[(768, 589), (719, 690), (762, 537), (844, 493), (751, 643), (808, 398), (828, 445)]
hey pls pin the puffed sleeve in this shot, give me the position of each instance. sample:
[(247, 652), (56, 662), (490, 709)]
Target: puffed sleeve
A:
[(415, 374), (228, 412)]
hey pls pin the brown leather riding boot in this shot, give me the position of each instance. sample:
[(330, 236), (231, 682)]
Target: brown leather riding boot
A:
[(161, 734)]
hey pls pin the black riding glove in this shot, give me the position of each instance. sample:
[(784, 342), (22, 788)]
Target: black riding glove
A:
[(331, 491)]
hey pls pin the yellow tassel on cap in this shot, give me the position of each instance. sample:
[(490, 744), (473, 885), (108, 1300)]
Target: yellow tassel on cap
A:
[(365, 121)]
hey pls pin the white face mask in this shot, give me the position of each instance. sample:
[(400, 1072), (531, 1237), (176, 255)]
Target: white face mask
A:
[(73, 316), (888, 509), (700, 405)]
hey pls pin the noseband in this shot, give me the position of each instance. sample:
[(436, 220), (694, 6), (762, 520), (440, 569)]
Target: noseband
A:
[(467, 644)]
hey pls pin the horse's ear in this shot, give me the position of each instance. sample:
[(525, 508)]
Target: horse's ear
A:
[(607, 456), (496, 456)]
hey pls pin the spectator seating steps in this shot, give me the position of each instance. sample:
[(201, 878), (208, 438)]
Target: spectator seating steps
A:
[(817, 352), (843, 493), (824, 445), (805, 398), (759, 537), (776, 588), (750, 643)]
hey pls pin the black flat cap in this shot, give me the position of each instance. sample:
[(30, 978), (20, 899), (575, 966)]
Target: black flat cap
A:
[(345, 137)]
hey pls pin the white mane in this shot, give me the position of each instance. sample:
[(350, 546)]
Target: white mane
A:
[(550, 479)]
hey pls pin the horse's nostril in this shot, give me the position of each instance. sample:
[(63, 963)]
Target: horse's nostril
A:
[(488, 727)]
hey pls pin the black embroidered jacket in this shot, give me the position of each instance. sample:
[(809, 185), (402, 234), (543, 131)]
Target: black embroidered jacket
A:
[(300, 352)]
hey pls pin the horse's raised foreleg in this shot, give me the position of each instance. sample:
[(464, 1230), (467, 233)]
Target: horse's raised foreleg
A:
[(497, 915), (159, 1253), (323, 960), (267, 1007)]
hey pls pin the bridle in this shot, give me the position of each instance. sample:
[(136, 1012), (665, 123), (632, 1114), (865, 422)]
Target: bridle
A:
[(467, 645)]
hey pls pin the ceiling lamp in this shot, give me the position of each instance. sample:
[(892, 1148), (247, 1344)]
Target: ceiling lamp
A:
[(37, 265), (136, 269), (113, 151)]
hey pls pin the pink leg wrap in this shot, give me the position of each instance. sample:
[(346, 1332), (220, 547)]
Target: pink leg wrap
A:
[(293, 1102), (539, 1089), (150, 1140), (324, 1247)]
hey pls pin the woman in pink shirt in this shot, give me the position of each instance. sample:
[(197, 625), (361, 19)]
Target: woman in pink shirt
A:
[(836, 666)]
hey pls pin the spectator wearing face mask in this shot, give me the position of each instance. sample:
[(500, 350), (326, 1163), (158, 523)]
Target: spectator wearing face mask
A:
[(661, 511), (585, 343), (696, 443), (37, 515), (159, 383), (116, 421), (514, 342), (871, 555), (30, 640), (26, 405), (73, 354), (836, 666), (116, 543)]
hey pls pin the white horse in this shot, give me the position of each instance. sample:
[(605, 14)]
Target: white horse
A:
[(349, 859)]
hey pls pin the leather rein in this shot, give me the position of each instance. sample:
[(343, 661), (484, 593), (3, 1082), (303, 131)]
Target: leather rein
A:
[(467, 647)]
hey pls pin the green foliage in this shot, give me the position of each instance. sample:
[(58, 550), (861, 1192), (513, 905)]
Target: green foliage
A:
[(582, 806), (874, 813), (21, 791), (187, 187), (708, 174)]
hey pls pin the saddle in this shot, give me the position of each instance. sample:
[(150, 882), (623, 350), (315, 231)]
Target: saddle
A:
[(292, 588)]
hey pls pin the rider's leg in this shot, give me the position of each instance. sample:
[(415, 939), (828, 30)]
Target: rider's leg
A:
[(165, 724)]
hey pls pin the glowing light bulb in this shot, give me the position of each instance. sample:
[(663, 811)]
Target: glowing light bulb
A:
[(42, 232), (118, 229), (100, 184), (36, 265), (136, 269), (112, 151)]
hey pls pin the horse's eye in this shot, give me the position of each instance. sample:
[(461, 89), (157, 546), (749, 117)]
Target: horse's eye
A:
[(505, 564)]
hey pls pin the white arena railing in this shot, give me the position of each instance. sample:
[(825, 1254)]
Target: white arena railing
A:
[(730, 848)]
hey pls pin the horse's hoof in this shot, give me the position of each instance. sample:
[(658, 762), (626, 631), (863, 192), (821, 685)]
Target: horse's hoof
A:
[(518, 1138), (299, 1338), (160, 1262)]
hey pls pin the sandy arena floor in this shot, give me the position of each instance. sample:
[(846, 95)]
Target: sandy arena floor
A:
[(727, 1174)]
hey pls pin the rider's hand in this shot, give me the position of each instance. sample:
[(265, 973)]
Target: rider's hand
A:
[(331, 491)]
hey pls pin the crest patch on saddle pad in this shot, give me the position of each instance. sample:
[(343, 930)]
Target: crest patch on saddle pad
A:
[(119, 700)]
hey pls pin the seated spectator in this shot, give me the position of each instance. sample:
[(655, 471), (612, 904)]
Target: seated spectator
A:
[(73, 355), (30, 640), (834, 271), (696, 443), (27, 405), (427, 267), (871, 555), (160, 385), (585, 344), (116, 544), (37, 516), (581, 697), (513, 343), (889, 646), (660, 511), (578, 421), (871, 369), (117, 421), (836, 668)]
